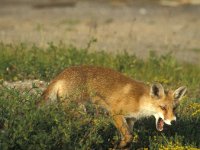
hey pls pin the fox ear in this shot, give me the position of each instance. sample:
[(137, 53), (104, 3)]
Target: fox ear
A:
[(178, 93), (157, 90)]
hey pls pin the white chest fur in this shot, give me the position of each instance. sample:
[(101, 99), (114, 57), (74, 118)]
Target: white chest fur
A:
[(145, 111)]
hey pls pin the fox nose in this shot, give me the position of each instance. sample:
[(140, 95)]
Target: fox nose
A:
[(174, 119), (169, 122)]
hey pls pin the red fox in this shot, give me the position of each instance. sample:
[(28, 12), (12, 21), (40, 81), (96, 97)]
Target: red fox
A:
[(125, 99)]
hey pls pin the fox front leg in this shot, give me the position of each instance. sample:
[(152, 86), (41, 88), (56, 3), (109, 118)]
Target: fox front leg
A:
[(122, 126), (130, 122)]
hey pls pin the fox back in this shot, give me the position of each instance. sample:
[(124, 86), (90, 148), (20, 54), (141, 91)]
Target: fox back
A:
[(91, 82)]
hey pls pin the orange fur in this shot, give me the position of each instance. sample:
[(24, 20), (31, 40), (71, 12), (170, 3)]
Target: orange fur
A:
[(126, 99)]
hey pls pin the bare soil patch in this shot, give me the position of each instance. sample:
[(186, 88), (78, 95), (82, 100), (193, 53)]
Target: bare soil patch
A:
[(32, 86)]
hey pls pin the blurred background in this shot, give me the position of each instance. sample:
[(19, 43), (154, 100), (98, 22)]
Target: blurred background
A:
[(136, 26)]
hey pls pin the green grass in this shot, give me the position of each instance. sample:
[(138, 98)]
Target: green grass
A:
[(23, 126)]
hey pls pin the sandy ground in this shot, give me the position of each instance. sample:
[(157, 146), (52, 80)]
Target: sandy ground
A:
[(135, 26), (31, 86)]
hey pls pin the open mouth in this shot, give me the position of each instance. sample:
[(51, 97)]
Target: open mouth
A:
[(160, 124)]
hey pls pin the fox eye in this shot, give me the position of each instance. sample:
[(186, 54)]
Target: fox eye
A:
[(163, 107)]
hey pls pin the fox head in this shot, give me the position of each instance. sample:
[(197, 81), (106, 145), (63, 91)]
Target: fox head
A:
[(165, 103)]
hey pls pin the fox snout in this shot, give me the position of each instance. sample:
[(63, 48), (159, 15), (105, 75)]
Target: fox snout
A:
[(161, 120), (168, 121)]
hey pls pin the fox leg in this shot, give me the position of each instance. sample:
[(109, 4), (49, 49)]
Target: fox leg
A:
[(130, 122), (122, 126)]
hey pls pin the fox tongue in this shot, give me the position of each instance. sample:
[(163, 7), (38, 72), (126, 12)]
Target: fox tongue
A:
[(160, 124)]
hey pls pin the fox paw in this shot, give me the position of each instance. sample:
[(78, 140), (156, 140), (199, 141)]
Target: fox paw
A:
[(125, 143)]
